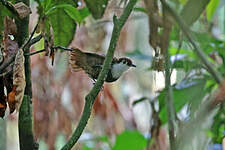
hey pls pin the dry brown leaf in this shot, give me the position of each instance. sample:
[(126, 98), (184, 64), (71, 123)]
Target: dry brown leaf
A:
[(48, 45), (19, 78), (9, 27), (22, 9), (2, 110), (10, 46), (11, 100), (3, 104)]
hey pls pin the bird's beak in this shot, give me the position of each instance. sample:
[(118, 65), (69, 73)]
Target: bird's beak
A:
[(133, 65)]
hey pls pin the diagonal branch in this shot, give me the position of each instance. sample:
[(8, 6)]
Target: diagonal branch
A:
[(90, 98), (216, 75)]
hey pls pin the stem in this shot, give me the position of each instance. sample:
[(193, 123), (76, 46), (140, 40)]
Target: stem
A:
[(33, 53), (169, 91), (30, 38), (27, 46), (215, 74), (90, 98), (169, 102), (63, 48), (6, 64), (26, 137)]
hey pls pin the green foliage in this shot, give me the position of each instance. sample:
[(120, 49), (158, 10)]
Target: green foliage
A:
[(140, 9), (75, 14), (3, 12), (62, 16), (218, 129), (85, 147), (96, 7), (131, 140), (211, 8), (196, 7), (186, 92)]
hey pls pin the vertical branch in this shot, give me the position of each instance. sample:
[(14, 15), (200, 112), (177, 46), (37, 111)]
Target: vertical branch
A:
[(26, 137), (90, 98), (202, 56), (169, 91), (169, 102)]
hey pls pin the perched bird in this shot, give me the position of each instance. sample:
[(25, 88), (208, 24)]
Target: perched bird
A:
[(92, 63)]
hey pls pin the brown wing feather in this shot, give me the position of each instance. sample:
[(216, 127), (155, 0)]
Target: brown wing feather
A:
[(85, 61), (91, 63)]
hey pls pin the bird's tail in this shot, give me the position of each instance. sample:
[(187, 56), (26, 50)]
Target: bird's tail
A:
[(75, 60)]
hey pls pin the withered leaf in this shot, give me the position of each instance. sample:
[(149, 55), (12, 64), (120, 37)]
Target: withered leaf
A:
[(49, 43), (2, 109), (9, 27), (11, 100), (22, 9), (19, 78), (3, 104), (10, 46)]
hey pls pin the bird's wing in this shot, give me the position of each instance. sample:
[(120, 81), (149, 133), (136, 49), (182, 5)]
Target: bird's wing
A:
[(89, 62)]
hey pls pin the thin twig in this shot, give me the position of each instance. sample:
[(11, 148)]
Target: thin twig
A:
[(90, 98), (33, 53), (25, 46), (54, 47), (215, 74), (34, 40), (6, 64), (63, 48), (28, 44)]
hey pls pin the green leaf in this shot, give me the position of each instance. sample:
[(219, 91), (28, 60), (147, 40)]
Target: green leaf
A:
[(69, 9), (183, 1), (96, 7), (211, 8), (3, 12), (84, 13), (192, 10), (85, 147), (189, 53), (140, 9), (130, 140), (63, 25), (194, 90), (139, 100)]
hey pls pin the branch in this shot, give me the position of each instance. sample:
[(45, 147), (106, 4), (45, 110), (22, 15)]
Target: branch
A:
[(28, 43), (90, 98), (43, 50), (6, 64), (25, 124), (34, 40), (169, 91), (12, 58), (63, 48), (33, 53), (216, 75)]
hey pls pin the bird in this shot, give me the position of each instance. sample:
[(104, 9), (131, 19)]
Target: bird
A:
[(92, 63)]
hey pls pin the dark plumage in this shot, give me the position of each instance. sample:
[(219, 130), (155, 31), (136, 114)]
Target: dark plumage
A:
[(92, 63)]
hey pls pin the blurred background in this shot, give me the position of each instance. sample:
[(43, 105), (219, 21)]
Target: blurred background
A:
[(124, 110)]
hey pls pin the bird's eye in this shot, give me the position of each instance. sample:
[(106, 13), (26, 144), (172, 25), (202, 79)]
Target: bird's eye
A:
[(124, 62)]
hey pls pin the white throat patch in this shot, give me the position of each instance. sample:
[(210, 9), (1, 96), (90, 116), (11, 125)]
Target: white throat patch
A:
[(119, 69)]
